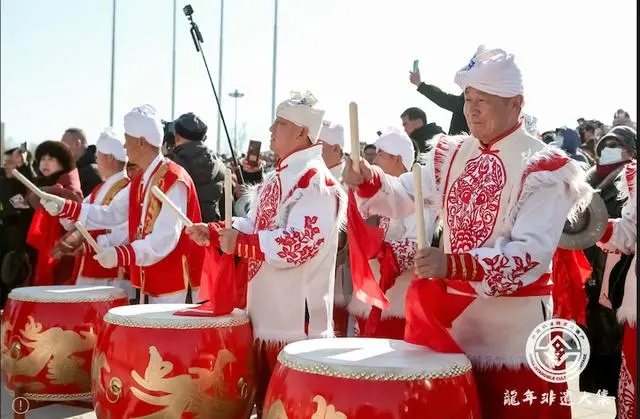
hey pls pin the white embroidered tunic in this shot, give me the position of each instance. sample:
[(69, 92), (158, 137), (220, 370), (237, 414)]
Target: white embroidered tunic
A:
[(503, 208), (296, 212)]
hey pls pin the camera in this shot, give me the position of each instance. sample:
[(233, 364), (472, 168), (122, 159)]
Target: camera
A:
[(169, 139), (188, 10)]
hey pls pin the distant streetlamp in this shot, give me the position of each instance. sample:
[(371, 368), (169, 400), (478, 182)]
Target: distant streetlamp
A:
[(235, 95)]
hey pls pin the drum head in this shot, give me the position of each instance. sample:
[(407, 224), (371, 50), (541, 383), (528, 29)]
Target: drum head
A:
[(67, 294), (160, 316), (371, 359)]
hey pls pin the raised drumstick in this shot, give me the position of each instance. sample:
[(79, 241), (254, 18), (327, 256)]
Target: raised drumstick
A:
[(419, 203), (26, 182), (165, 200), (355, 136), (83, 231)]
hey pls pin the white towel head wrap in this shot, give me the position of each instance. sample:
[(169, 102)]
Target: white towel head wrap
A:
[(492, 71)]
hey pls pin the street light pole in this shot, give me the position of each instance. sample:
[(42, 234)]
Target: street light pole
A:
[(220, 56), (113, 62), (235, 95)]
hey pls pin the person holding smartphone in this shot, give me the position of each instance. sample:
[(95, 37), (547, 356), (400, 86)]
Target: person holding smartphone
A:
[(450, 102)]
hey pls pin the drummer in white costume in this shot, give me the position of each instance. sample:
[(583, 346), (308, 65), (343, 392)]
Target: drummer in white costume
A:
[(290, 238), (111, 159), (504, 197), (164, 264)]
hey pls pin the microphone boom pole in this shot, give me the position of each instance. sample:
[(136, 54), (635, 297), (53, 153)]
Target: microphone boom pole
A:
[(197, 42)]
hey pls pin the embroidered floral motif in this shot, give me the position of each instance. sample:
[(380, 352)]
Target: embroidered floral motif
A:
[(384, 224), (404, 250), (473, 202), (297, 246), (626, 393), (500, 282), (269, 200)]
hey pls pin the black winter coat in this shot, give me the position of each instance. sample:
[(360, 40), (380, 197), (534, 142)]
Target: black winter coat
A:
[(452, 103), (423, 135), (207, 173), (88, 171)]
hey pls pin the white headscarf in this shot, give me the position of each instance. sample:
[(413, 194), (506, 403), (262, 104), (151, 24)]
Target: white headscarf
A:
[(143, 121), (299, 110), (333, 135), (112, 143), (492, 71), (397, 143)]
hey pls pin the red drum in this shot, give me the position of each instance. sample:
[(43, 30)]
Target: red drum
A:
[(48, 337), (150, 363), (362, 378)]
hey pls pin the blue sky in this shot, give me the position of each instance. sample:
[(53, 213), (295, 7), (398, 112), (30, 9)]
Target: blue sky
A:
[(578, 59)]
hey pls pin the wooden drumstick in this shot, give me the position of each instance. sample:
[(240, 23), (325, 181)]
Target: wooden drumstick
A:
[(419, 203), (83, 231), (355, 136), (165, 200), (228, 198), (26, 182)]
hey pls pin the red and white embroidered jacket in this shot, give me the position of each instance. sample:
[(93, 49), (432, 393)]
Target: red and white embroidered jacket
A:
[(621, 236), (503, 208), (291, 242)]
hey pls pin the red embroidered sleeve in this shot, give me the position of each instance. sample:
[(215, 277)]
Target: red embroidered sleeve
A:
[(297, 246), (71, 210), (404, 251), (126, 255), (248, 246), (464, 267), (368, 189)]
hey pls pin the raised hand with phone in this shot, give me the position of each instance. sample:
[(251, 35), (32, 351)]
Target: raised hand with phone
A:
[(414, 75)]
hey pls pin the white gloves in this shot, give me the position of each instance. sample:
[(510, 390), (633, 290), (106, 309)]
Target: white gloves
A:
[(52, 204), (108, 258)]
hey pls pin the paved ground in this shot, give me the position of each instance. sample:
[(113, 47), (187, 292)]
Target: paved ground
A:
[(591, 407)]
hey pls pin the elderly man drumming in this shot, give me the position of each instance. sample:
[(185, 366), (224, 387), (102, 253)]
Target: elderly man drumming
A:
[(503, 197)]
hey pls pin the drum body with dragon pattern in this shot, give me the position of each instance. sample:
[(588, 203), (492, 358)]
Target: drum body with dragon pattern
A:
[(48, 337), (363, 378), (150, 363)]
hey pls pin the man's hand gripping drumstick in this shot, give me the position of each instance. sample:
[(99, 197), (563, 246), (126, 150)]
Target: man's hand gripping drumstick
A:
[(222, 235)]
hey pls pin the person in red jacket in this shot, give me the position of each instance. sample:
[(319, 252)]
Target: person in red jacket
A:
[(57, 175)]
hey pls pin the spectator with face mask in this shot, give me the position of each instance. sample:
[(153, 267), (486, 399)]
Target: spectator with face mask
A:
[(614, 150), (568, 140)]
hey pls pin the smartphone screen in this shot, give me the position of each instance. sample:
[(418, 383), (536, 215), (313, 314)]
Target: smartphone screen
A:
[(415, 66), (253, 153)]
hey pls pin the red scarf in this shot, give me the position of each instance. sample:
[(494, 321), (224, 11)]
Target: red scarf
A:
[(571, 269), (364, 243), (389, 272)]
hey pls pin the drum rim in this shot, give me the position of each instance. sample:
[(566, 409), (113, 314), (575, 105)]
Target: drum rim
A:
[(22, 294), (457, 369), (53, 397), (178, 322)]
